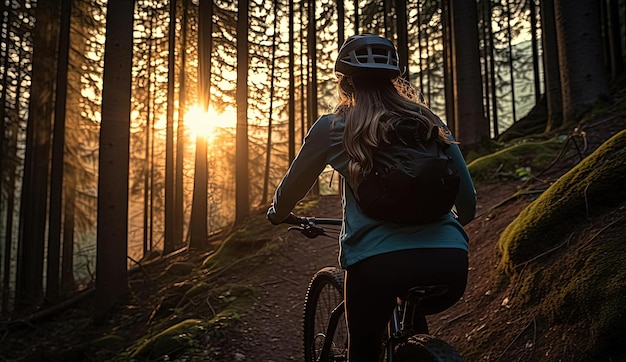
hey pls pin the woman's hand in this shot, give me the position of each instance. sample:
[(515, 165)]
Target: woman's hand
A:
[(271, 216)]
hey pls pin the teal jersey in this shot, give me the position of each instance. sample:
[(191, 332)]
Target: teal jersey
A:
[(361, 236)]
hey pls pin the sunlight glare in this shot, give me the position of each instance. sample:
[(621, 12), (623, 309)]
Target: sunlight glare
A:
[(204, 124)]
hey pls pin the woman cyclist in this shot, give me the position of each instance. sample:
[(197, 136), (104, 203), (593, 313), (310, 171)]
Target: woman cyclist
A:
[(382, 259)]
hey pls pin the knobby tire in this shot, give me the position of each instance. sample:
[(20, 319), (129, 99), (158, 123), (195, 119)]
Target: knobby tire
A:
[(324, 293), (426, 348)]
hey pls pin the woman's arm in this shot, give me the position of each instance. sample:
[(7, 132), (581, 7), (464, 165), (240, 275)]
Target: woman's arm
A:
[(303, 172)]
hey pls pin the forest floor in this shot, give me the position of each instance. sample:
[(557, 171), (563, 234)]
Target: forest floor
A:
[(269, 326)]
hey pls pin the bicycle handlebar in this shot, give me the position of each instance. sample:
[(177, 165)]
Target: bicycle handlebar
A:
[(294, 219), (309, 226)]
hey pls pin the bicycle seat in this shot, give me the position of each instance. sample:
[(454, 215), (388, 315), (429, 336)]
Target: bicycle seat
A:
[(421, 292)]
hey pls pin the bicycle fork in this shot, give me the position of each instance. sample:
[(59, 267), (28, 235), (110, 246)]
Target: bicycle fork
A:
[(335, 317)]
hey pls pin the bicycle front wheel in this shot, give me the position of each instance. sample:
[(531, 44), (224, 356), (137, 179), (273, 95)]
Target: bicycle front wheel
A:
[(423, 347), (324, 294)]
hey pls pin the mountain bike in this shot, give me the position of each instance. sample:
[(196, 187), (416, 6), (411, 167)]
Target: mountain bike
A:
[(325, 330)]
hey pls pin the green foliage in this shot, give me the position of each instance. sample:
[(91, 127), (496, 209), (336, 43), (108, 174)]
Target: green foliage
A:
[(237, 299), (511, 162), (234, 248), (178, 269), (594, 184), (185, 338)]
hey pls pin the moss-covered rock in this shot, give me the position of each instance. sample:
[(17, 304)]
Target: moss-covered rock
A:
[(591, 186), (198, 289), (235, 248), (171, 340), (537, 155), (580, 288), (107, 341), (566, 258)]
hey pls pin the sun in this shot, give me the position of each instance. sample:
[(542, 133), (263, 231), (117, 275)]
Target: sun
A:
[(204, 124)]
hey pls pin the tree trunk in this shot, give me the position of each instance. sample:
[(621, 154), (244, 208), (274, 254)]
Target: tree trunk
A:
[(403, 41), (170, 201), (241, 167), (357, 21), (486, 33), (615, 40), (420, 49), (312, 82), (112, 230), (292, 85), (3, 86), (551, 72), (387, 18), (341, 24), (180, 130), (429, 80), (303, 79), (535, 50), (583, 75), (68, 284), (8, 237), (471, 128), (34, 201), (448, 63), (492, 71), (198, 226), (509, 41), (4, 168), (268, 146), (148, 164), (56, 178), (312, 62)]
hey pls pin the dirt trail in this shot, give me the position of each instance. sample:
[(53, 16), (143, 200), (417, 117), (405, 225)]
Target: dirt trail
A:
[(272, 330)]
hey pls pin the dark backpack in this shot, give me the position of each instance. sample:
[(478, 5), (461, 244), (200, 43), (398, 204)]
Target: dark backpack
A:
[(413, 180)]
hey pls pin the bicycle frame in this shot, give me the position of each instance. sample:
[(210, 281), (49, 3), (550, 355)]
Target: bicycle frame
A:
[(397, 329), (335, 317), (399, 326), (401, 333)]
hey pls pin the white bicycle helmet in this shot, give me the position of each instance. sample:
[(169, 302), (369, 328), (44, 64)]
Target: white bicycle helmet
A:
[(367, 54)]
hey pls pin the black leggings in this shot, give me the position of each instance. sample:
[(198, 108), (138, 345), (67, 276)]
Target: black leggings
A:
[(372, 286)]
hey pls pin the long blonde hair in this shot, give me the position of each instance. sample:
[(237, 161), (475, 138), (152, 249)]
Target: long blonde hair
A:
[(370, 107)]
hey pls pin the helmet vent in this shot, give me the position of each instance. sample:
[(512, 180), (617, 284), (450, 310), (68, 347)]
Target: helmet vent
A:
[(362, 54), (377, 55)]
